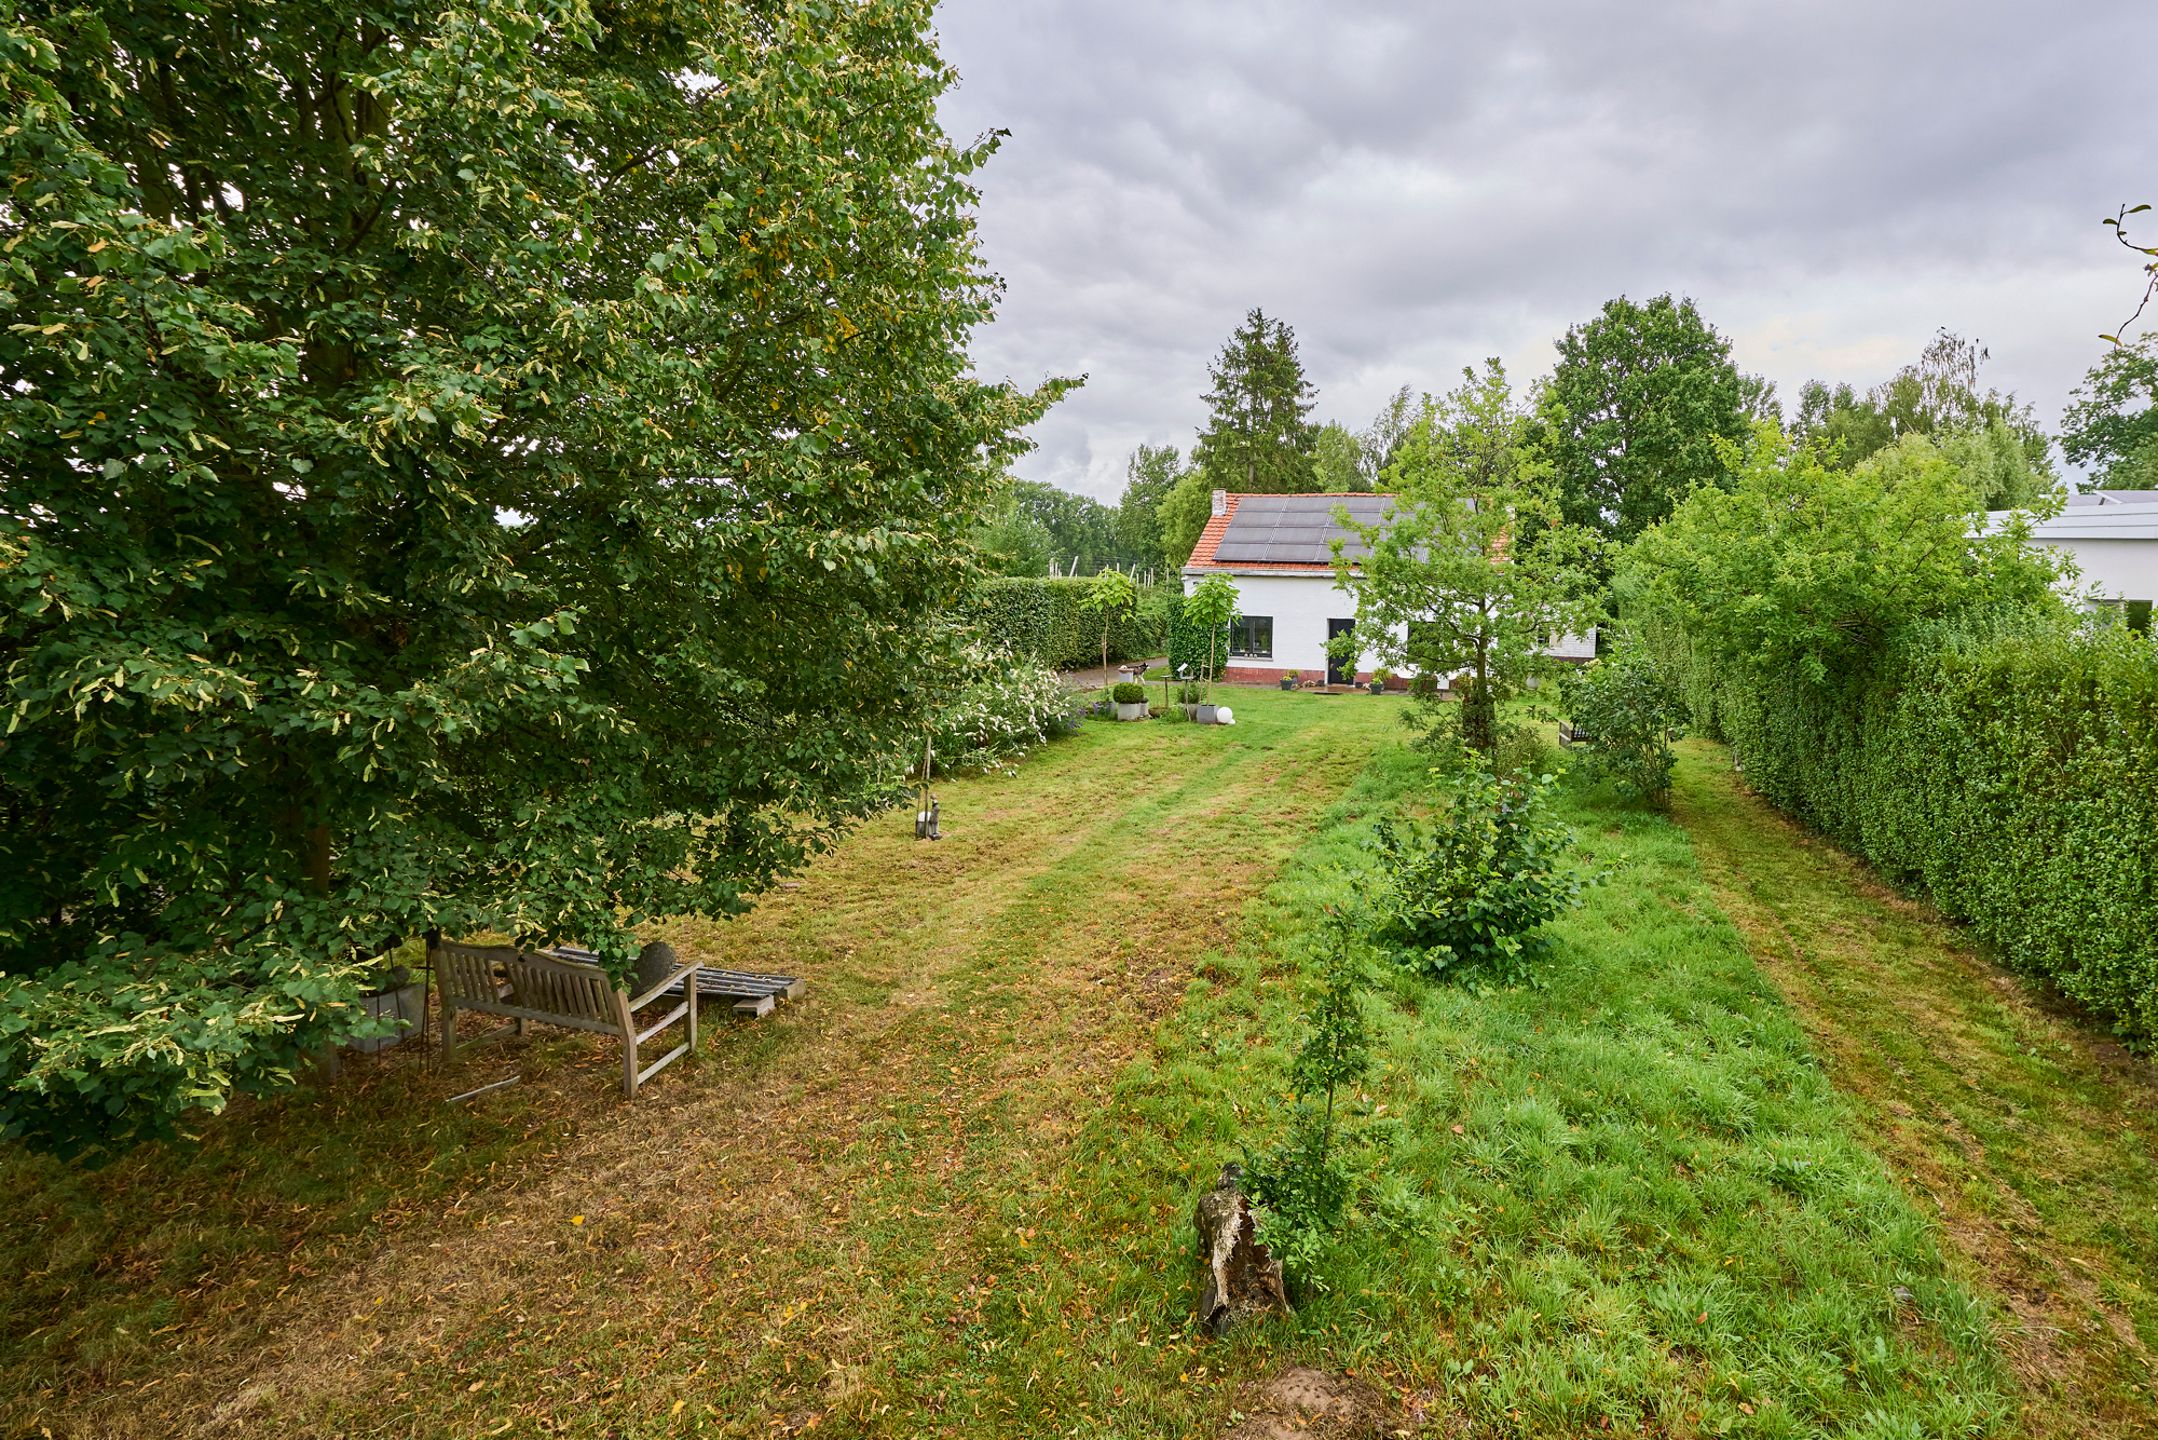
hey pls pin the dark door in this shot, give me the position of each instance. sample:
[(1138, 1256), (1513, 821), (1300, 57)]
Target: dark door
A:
[(1339, 671)]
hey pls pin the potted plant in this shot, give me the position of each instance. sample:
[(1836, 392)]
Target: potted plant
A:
[(1378, 681), (1130, 698), (1289, 681)]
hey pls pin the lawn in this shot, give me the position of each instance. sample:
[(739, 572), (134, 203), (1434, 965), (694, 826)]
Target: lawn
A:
[(950, 1193)]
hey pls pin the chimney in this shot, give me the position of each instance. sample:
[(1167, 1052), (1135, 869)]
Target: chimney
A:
[(1221, 502)]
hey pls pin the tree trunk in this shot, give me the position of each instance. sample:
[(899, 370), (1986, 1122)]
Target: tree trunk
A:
[(1243, 1279)]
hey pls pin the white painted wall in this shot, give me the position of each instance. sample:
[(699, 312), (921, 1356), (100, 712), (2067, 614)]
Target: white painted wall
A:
[(2113, 569), (1300, 606)]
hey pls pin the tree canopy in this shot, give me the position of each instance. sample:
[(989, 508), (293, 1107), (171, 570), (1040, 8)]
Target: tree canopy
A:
[(1149, 476), (1258, 437), (1993, 436), (1802, 567), (1640, 399), (2113, 418), (466, 468)]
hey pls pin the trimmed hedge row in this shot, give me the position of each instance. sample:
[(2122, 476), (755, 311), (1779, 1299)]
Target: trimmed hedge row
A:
[(1045, 620), (2009, 768)]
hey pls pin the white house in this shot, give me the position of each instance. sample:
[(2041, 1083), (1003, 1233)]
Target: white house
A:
[(1279, 551), (2112, 536)]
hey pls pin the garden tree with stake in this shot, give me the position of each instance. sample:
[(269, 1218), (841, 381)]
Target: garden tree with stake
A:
[(465, 468), (1111, 597), (1636, 406), (1259, 436), (1211, 606), (1474, 569), (1303, 1187)]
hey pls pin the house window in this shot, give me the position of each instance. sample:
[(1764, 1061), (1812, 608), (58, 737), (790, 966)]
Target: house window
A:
[(1252, 638)]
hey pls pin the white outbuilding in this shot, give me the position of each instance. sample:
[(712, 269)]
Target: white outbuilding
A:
[(1278, 549), (2112, 536)]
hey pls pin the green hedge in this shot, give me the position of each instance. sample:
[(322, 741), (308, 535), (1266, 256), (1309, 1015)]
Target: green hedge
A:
[(2009, 768), (1046, 621)]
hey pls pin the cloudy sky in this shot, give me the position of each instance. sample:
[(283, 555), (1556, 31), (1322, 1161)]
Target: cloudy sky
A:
[(1414, 187)]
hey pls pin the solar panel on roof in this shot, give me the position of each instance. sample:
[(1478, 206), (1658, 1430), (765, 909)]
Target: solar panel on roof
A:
[(1295, 529)]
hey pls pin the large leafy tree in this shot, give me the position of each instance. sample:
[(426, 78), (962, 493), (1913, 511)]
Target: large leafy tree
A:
[(1641, 399), (2113, 417), (1474, 571), (1149, 476), (1990, 433), (1803, 568), (487, 466), (1259, 436)]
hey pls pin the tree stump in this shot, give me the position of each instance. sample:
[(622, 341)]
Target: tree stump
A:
[(1243, 1279)]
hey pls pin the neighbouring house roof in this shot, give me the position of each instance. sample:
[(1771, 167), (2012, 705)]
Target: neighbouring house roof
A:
[(2114, 520), (2092, 499), (1283, 533)]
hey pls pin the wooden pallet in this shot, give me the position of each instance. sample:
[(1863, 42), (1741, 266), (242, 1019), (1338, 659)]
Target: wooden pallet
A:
[(753, 992)]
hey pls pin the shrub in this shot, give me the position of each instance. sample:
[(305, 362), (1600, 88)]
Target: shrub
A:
[(1630, 707), (1468, 890), (1191, 692), (1129, 693), (1003, 708), (2004, 764)]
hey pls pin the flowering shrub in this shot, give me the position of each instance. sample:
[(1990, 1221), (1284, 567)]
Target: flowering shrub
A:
[(1003, 708)]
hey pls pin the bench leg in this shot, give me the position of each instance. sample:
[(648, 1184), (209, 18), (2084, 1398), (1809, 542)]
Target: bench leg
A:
[(449, 1029), (629, 1066)]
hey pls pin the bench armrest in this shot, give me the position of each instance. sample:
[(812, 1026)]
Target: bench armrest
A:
[(685, 976)]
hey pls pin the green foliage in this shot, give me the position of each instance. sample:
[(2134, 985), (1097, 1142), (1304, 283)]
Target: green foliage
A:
[(1804, 569), (1112, 599), (1638, 405), (1210, 609), (1258, 436), (2113, 416), (1466, 892), (459, 474), (1128, 692), (1051, 622), (1303, 1187), (1631, 707), (1151, 473), (1182, 516), (2000, 760), (1992, 436), (1474, 569)]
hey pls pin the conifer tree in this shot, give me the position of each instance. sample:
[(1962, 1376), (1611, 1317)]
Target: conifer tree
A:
[(1259, 437)]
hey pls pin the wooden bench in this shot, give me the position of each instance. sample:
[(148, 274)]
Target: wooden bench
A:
[(525, 985), (751, 992), (1571, 734)]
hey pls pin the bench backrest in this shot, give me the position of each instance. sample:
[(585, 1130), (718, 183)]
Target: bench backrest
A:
[(540, 986)]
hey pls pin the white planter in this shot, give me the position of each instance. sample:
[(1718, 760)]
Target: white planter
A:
[(1205, 714), (1136, 710)]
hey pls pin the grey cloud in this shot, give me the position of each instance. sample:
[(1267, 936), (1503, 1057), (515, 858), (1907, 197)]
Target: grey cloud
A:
[(1415, 187)]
